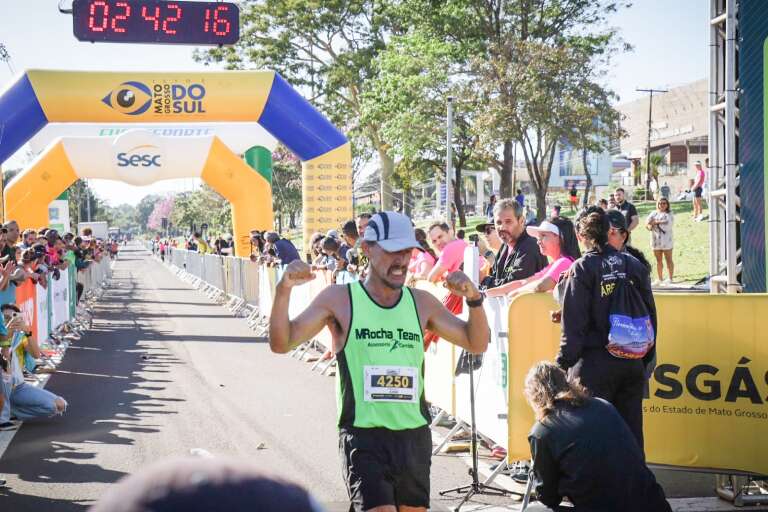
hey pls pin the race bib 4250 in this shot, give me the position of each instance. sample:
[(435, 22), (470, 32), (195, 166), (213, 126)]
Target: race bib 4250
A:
[(391, 384)]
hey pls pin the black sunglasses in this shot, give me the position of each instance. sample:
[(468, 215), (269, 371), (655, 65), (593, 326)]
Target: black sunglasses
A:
[(489, 230)]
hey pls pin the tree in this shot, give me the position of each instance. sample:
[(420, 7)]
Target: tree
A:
[(162, 210), (534, 63), (594, 124), (407, 98), (144, 209), (80, 196), (656, 161), (286, 187), (325, 47)]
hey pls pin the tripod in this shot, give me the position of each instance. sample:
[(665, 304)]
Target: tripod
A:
[(476, 487)]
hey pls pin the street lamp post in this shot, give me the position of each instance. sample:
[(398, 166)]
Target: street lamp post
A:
[(448, 160), (650, 129)]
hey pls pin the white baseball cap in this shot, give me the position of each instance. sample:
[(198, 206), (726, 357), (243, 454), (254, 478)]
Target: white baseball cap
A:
[(544, 227), (392, 231)]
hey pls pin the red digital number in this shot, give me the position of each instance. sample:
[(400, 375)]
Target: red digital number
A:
[(219, 25), (121, 17), (171, 19), (92, 26), (155, 19)]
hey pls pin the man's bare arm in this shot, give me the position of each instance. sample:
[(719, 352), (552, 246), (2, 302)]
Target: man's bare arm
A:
[(285, 334), (436, 273)]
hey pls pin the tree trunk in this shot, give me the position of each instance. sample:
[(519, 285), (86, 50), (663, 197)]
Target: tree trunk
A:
[(541, 203), (588, 186), (292, 220), (507, 167), (457, 197), (387, 164), (279, 222), (407, 201)]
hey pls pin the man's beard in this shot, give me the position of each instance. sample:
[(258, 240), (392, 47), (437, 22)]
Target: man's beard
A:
[(387, 282), (508, 237)]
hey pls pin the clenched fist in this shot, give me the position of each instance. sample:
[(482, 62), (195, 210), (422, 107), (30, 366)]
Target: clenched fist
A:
[(458, 283), (296, 273)]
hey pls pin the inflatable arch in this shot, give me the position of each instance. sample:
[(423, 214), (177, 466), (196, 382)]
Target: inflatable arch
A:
[(40, 97), (139, 158)]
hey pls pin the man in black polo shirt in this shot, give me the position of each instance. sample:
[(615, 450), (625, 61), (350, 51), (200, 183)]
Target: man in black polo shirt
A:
[(519, 256), (626, 208)]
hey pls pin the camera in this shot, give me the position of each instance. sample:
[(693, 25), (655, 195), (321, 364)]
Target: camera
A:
[(474, 238)]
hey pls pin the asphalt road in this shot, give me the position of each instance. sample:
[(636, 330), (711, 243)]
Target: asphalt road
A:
[(166, 371)]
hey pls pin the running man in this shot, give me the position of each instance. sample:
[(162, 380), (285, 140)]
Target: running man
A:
[(378, 331)]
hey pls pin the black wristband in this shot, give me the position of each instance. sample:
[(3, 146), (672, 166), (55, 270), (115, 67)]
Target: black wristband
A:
[(477, 302)]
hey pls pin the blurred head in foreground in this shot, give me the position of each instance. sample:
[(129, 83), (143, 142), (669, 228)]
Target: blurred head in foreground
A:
[(203, 485)]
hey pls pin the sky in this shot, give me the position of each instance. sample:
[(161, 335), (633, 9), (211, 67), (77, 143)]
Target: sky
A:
[(670, 40)]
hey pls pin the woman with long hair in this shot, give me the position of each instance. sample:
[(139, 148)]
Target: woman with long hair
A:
[(556, 239), (659, 223), (582, 449)]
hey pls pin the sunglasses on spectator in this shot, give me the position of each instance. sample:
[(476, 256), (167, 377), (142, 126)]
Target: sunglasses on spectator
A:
[(489, 230)]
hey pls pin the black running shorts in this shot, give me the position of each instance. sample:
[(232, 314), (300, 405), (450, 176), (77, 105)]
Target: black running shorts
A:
[(697, 192), (386, 467)]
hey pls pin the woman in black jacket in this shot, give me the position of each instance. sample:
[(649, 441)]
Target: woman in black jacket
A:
[(583, 450), (585, 324)]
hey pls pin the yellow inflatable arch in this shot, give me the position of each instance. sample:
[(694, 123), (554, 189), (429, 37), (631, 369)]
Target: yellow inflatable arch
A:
[(39, 97)]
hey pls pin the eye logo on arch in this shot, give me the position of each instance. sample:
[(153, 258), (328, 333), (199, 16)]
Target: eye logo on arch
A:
[(130, 98)]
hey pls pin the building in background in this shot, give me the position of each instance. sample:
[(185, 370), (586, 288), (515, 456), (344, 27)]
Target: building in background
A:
[(679, 130)]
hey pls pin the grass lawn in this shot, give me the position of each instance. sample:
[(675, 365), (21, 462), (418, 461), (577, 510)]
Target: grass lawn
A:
[(691, 247)]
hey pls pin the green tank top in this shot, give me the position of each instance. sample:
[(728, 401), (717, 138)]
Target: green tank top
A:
[(380, 377)]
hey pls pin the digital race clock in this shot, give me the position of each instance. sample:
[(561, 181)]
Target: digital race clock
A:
[(156, 21)]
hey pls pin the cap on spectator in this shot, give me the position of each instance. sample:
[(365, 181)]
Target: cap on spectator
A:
[(332, 233), (271, 237), (544, 227), (482, 227), (392, 231), (197, 485), (39, 250), (616, 219), (18, 276)]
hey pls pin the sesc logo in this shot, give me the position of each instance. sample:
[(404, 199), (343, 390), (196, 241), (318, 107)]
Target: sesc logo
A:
[(130, 98), (135, 158)]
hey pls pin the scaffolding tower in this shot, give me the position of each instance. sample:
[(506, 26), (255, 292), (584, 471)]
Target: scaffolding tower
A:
[(724, 168), (725, 263)]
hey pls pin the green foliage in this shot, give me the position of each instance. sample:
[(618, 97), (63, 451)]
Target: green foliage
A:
[(323, 47), (408, 99), (535, 70), (691, 242), (286, 187), (203, 205)]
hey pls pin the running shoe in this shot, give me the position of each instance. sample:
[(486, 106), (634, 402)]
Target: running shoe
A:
[(8, 425)]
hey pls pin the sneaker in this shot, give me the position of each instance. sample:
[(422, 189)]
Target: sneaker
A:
[(8, 425), (656, 282), (668, 281), (520, 474)]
